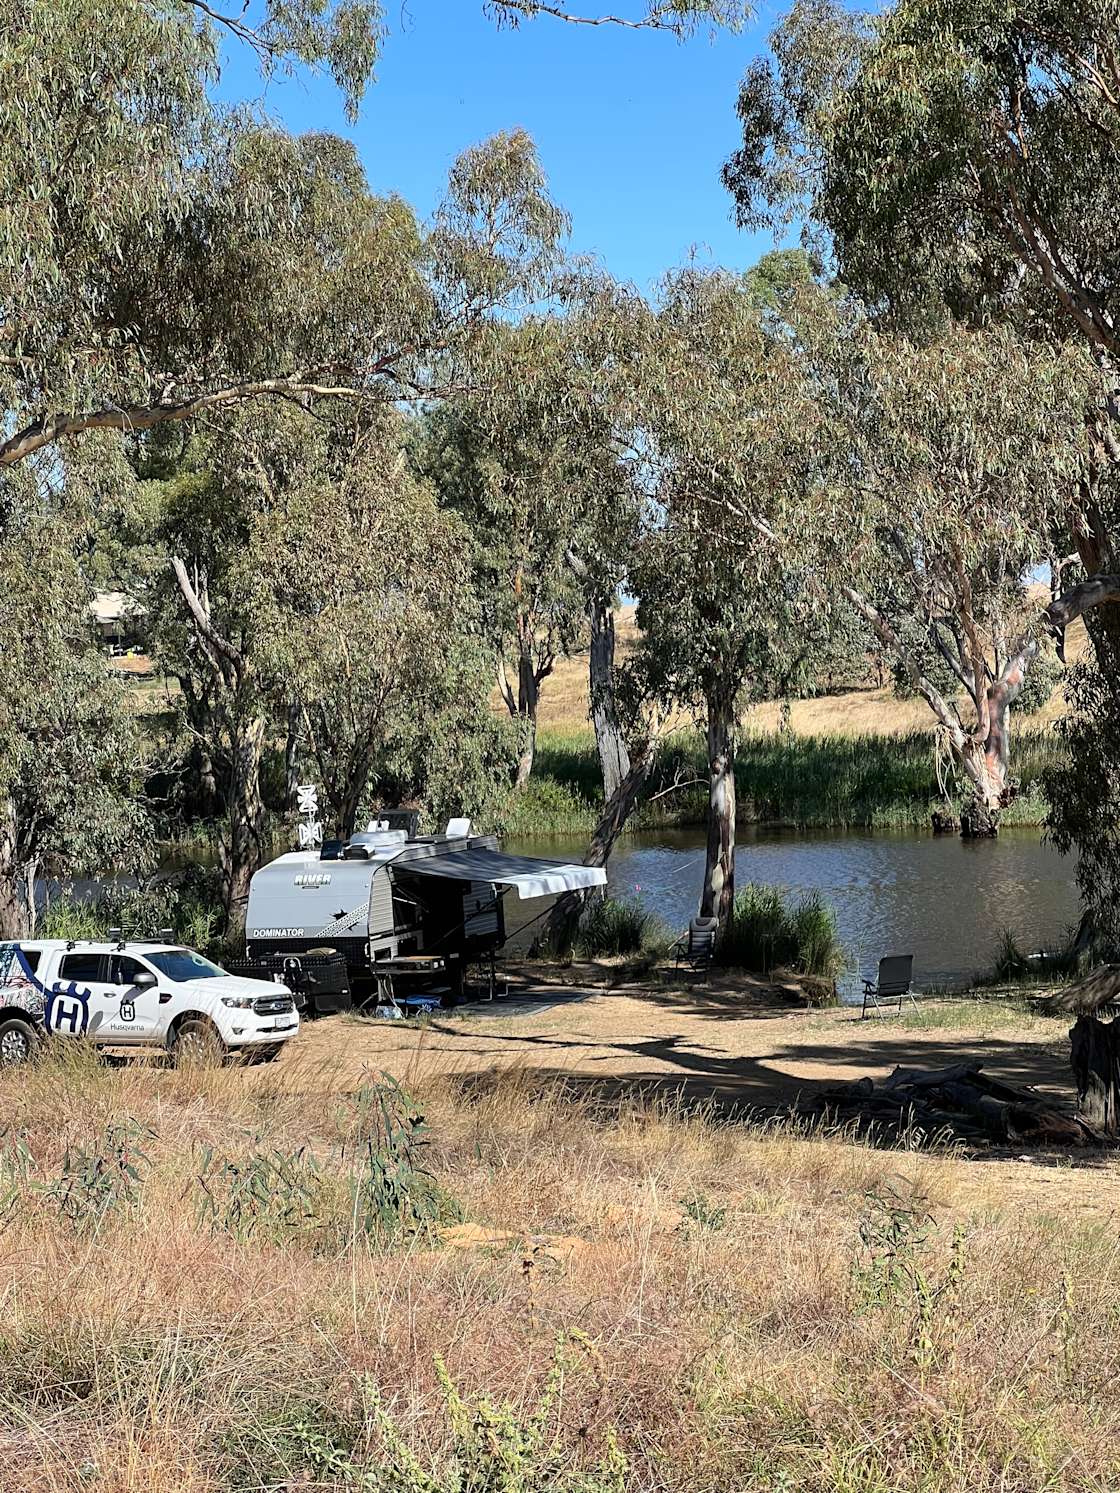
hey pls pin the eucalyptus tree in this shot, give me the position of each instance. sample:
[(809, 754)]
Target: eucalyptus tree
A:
[(963, 158), (370, 611), (730, 612), (529, 461), (71, 759), (312, 576), (155, 262), (928, 520)]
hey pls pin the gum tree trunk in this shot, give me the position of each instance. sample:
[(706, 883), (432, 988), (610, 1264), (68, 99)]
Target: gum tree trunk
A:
[(291, 755), (242, 846), (719, 870), (614, 758), (527, 716), (563, 920), (1095, 1059), (15, 920)]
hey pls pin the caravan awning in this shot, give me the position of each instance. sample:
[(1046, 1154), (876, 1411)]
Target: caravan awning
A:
[(527, 876)]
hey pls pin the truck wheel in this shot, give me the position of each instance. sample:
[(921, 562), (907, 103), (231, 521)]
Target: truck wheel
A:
[(197, 1045), (18, 1040)]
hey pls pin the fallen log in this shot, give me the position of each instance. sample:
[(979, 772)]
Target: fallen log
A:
[(958, 1101)]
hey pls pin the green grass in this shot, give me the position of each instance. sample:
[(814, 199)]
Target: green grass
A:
[(802, 781), (620, 926), (766, 932), (972, 1015)]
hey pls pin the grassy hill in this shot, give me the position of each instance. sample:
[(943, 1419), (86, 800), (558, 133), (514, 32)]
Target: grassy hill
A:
[(859, 711)]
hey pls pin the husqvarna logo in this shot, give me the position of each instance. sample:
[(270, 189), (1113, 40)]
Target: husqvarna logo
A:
[(68, 1010)]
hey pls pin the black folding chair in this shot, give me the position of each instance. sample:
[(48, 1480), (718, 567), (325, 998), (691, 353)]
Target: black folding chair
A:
[(892, 982), (697, 947)]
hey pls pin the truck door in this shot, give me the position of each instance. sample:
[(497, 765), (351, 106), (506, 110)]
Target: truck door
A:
[(138, 1013), (78, 996)]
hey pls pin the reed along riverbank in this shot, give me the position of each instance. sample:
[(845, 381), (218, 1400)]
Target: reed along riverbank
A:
[(804, 781)]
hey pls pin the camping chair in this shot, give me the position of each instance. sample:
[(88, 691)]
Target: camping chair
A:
[(696, 947), (891, 983)]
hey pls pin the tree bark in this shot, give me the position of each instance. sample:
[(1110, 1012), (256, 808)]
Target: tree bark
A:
[(528, 694), (15, 919), (563, 920), (291, 755), (719, 870), (242, 846), (199, 715), (353, 787), (1095, 1059), (614, 758)]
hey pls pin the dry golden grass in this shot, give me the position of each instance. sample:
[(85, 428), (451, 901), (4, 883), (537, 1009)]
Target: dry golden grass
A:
[(855, 712), (715, 1309)]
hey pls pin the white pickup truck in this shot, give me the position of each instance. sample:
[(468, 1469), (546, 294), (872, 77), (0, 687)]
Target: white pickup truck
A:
[(126, 994)]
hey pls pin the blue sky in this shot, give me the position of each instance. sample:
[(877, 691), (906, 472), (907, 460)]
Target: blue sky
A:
[(631, 127)]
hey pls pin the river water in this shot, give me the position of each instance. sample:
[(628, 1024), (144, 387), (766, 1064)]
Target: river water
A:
[(943, 899)]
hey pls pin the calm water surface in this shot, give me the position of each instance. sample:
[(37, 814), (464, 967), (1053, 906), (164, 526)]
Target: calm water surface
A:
[(943, 899)]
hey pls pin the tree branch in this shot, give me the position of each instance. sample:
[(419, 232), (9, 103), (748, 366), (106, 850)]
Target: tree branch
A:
[(653, 20), (218, 645), (50, 428), (924, 686)]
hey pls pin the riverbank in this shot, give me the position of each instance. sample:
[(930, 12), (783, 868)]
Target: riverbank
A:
[(825, 781), (549, 1269)]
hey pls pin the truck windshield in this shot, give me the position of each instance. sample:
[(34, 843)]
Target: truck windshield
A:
[(184, 964)]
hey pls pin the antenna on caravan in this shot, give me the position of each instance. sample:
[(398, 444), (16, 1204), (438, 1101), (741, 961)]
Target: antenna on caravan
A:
[(311, 830)]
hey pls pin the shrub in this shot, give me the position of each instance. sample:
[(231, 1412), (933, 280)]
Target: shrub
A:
[(273, 1194), (618, 926), (392, 1193), (96, 1180), (764, 932), (491, 1447), (191, 909)]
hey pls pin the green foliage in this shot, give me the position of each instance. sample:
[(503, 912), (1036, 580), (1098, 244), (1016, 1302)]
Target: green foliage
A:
[(618, 926), (275, 1195), (392, 1192), (101, 1179), (894, 1274), (492, 1448), (893, 1233), (16, 1163), (703, 1213), (942, 145), (1066, 959), (190, 907), (1082, 789), (820, 781), (764, 932), (380, 1192)]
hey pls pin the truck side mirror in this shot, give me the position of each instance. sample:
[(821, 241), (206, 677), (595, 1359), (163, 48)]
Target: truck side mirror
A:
[(145, 980)]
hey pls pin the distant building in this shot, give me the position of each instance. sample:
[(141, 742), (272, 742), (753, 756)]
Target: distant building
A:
[(116, 617)]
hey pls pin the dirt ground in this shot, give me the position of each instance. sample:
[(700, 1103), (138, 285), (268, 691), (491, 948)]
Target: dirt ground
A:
[(742, 1052), (742, 1048)]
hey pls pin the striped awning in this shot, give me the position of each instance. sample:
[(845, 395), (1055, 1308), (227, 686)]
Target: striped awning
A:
[(524, 874)]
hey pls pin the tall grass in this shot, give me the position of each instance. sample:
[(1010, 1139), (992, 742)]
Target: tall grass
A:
[(766, 932), (804, 781), (620, 926), (654, 1302)]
